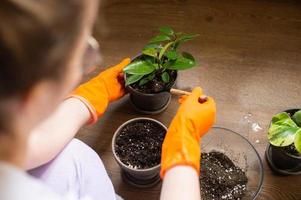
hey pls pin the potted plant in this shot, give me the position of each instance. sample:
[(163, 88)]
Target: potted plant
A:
[(136, 147), (284, 152), (150, 76)]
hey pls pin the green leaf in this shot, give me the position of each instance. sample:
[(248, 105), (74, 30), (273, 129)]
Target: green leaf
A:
[(184, 38), (188, 56), (155, 46), (172, 55), (297, 141), (187, 37), (146, 79), (282, 130), (165, 77), (139, 67), (143, 81), (160, 38), (178, 34), (181, 63), (132, 79), (150, 52), (167, 30), (151, 61), (152, 45), (297, 118), (164, 49)]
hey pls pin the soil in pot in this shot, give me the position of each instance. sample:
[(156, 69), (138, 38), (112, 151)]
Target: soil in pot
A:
[(220, 178), (138, 145), (291, 150), (156, 85)]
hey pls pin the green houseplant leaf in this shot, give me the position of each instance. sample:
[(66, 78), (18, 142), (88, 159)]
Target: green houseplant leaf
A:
[(184, 38), (172, 55), (298, 141), (152, 49), (186, 61), (297, 118), (166, 30), (146, 79), (178, 34), (164, 49), (165, 77), (150, 52), (160, 38), (139, 67), (187, 37), (132, 79), (153, 46), (188, 56), (282, 130)]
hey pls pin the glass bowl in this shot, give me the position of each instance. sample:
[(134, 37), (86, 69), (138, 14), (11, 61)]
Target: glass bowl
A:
[(241, 152)]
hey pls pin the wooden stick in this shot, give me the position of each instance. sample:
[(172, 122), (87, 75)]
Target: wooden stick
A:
[(202, 99), (179, 92)]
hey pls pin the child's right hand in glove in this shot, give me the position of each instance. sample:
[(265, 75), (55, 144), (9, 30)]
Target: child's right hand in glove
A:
[(182, 142)]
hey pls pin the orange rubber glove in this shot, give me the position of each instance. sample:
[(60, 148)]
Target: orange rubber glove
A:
[(97, 93), (181, 145)]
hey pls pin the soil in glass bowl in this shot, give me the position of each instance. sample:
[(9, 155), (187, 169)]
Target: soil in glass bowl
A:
[(220, 178), (138, 145)]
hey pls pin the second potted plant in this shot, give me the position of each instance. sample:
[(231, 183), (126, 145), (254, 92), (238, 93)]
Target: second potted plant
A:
[(284, 152), (150, 76)]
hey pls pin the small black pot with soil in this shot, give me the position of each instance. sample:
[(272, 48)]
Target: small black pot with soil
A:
[(136, 147), (284, 160), (153, 97)]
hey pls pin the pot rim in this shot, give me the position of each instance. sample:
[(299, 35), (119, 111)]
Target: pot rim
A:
[(118, 131), (282, 148), (144, 94)]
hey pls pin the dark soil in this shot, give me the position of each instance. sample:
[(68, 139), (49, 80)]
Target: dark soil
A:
[(291, 149), (220, 178), (139, 144), (156, 85)]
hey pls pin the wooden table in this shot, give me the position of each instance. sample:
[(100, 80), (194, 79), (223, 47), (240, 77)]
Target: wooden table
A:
[(249, 55)]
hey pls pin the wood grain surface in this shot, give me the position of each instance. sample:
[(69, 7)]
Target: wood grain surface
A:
[(249, 55)]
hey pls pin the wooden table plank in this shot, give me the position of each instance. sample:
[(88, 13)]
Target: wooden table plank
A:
[(249, 57)]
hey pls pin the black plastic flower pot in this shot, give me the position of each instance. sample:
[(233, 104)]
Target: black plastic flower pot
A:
[(149, 103), (280, 161), (131, 174)]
